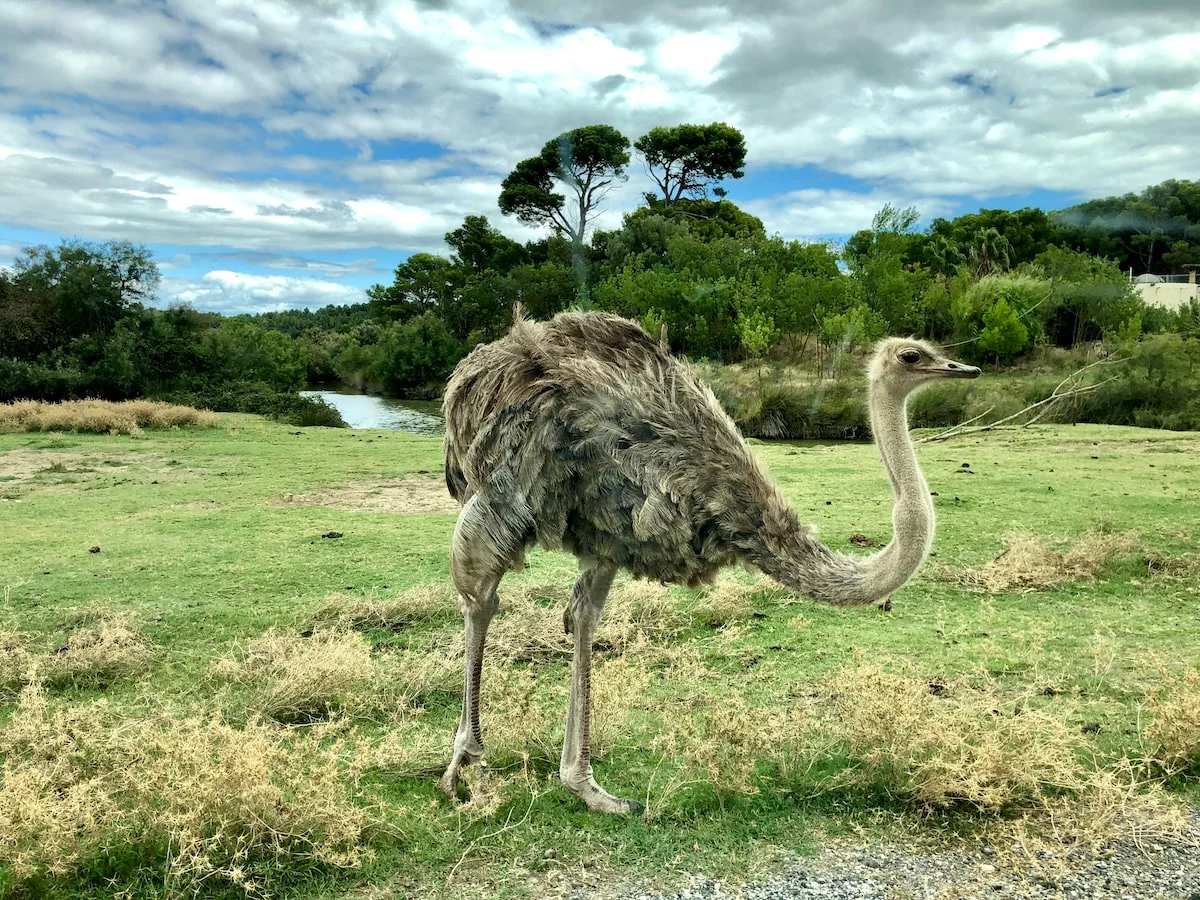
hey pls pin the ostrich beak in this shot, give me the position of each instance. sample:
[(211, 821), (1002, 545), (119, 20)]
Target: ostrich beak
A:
[(950, 369)]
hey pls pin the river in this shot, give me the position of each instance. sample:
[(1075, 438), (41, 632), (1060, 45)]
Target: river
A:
[(371, 412)]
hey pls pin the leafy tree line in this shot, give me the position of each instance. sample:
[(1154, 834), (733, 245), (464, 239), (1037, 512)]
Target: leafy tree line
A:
[(998, 282), (74, 323)]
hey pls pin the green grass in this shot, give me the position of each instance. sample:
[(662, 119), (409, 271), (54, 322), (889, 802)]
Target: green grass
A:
[(199, 548)]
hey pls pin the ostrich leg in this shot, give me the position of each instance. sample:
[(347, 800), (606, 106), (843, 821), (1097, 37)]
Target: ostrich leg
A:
[(478, 561), (582, 616)]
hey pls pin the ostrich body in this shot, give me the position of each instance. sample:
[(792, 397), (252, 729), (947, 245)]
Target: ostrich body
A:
[(584, 434)]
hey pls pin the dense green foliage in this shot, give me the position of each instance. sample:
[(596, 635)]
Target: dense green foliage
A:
[(73, 324)]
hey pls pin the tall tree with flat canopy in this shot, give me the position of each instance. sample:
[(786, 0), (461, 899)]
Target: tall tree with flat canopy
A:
[(585, 162), (686, 159)]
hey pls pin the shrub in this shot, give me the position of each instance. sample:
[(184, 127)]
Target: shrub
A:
[(97, 655), (100, 416), (1028, 563), (826, 410), (1159, 387), (948, 748), (421, 604), (22, 380), (299, 679), (1174, 733), (200, 800), (261, 399), (940, 406), (14, 662)]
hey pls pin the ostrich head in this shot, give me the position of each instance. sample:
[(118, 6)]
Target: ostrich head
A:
[(901, 366)]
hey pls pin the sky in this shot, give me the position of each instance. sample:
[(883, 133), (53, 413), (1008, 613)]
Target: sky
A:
[(279, 154)]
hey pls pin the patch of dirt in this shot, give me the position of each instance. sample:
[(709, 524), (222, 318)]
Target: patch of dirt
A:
[(410, 494), (19, 466), (23, 471), (1168, 446)]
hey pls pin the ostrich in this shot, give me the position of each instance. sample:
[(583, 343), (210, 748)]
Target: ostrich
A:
[(584, 434)]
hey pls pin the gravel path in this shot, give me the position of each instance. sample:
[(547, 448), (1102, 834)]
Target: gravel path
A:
[(1154, 871)]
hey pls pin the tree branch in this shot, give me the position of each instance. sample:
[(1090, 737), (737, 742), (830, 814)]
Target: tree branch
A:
[(1045, 405)]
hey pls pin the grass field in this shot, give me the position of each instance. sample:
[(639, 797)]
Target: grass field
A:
[(229, 663)]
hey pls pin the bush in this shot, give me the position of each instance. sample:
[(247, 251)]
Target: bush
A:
[(1174, 733), (261, 399), (34, 381), (941, 406), (208, 805), (97, 655), (99, 416), (950, 748), (1159, 387), (299, 680), (827, 410)]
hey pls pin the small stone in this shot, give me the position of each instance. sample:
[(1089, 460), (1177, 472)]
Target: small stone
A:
[(987, 869)]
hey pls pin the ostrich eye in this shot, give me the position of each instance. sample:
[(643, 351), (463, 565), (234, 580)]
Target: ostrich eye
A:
[(910, 357)]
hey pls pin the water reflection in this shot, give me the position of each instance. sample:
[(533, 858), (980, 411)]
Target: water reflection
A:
[(366, 411)]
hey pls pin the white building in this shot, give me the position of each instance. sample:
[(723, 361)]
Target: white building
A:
[(1168, 291)]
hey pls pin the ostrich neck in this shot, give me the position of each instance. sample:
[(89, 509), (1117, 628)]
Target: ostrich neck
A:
[(912, 512), (802, 563)]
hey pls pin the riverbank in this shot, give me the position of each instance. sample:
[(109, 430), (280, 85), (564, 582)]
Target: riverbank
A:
[(360, 410)]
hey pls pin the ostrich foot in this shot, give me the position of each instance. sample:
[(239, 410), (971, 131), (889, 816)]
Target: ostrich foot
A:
[(449, 783), (599, 800)]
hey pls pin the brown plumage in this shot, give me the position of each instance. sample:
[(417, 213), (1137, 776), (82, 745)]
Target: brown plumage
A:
[(584, 434)]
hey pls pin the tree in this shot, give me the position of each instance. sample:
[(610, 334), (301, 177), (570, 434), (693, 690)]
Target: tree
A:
[(585, 161), (890, 235), (1003, 333), (995, 235), (687, 159), (1148, 232), (990, 253), (1023, 298), (884, 262), (1089, 296), (424, 282), (415, 353), (478, 248), (80, 289)]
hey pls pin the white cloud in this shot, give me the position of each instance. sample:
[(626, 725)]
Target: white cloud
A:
[(189, 122), (9, 250), (814, 214), (232, 293)]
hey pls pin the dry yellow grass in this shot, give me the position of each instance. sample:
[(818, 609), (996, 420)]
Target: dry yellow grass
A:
[(956, 746), (302, 679), (1028, 563), (418, 605), (1116, 803), (529, 626), (14, 661), (99, 416), (409, 748), (723, 742), (1174, 732), (224, 803), (97, 654)]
